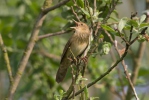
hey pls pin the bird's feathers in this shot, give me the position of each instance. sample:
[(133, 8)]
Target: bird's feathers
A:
[(76, 46)]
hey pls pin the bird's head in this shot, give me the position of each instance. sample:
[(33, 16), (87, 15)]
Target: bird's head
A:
[(81, 27)]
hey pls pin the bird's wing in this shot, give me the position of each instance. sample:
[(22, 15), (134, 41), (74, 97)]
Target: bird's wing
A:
[(66, 49)]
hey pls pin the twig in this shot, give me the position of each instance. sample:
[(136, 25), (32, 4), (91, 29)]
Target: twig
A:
[(95, 7), (51, 56), (118, 71), (95, 35), (45, 11), (53, 34), (107, 72), (110, 11), (132, 15), (75, 13), (29, 48), (142, 33), (130, 82), (137, 62), (103, 75), (123, 37), (5, 54), (92, 24), (73, 81), (126, 72)]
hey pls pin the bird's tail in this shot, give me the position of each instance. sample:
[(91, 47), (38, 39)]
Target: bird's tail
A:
[(61, 73)]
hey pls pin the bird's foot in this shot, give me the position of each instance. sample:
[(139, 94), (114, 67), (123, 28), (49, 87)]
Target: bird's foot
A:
[(84, 59), (73, 60)]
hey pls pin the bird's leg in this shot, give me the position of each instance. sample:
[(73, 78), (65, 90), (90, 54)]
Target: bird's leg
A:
[(84, 59), (73, 57)]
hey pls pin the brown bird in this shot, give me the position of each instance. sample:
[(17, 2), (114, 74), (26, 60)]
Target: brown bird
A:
[(78, 46)]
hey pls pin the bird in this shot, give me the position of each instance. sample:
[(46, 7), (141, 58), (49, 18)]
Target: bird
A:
[(77, 46)]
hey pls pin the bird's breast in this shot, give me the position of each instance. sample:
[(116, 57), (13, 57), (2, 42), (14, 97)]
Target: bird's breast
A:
[(78, 47)]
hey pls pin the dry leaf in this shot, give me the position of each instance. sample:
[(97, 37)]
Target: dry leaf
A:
[(121, 52)]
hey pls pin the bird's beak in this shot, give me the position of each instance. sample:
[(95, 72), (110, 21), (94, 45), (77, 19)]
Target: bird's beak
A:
[(76, 24)]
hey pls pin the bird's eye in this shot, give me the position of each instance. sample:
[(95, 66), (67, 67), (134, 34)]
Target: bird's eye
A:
[(81, 24)]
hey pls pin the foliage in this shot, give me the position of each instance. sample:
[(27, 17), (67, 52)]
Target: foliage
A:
[(38, 81)]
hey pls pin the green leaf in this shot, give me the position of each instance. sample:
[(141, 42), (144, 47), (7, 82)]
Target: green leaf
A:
[(78, 79), (132, 23), (56, 97), (86, 93), (80, 3), (70, 3), (85, 12), (122, 24), (147, 31), (105, 48), (142, 18), (107, 28), (143, 25), (94, 98), (141, 38)]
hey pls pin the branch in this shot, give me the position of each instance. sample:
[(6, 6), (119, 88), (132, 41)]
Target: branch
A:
[(6, 58), (75, 13), (111, 68), (136, 66), (114, 3), (95, 7), (132, 15), (30, 45), (118, 70), (45, 11), (51, 56), (103, 75), (127, 73), (142, 33), (53, 34), (92, 24)]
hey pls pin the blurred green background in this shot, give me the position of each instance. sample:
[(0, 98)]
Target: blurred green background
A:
[(38, 82)]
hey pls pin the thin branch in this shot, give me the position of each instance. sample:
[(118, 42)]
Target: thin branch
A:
[(51, 56), (95, 7), (142, 33), (123, 37), (6, 58), (103, 75), (126, 72), (130, 82), (90, 13), (118, 70), (45, 11), (137, 63), (53, 34), (132, 15), (29, 48), (75, 13), (108, 71), (110, 10)]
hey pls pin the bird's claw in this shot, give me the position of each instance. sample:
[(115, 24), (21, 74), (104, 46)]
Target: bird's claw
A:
[(73, 60), (84, 59)]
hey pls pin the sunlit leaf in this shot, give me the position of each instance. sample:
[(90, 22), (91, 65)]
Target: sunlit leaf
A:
[(85, 12), (142, 18), (107, 28), (86, 93), (122, 24), (143, 25), (105, 48), (132, 23), (80, 3), (94, 98)]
